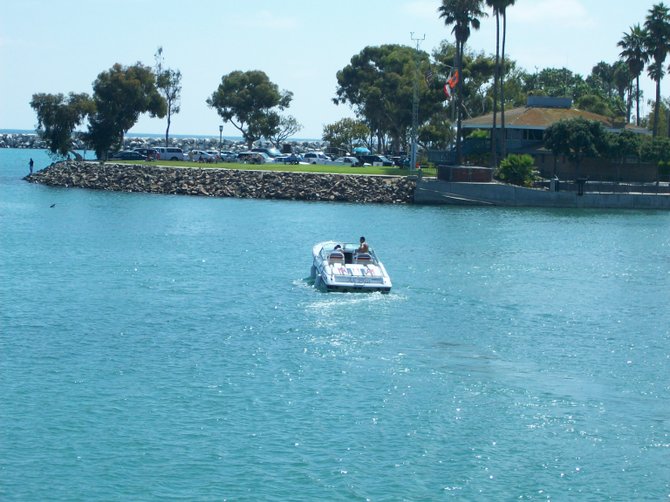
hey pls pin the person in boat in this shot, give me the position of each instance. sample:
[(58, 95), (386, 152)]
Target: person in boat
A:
[(363, 248), (337, 247)]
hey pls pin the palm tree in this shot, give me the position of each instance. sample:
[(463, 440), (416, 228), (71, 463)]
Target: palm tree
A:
[(657, 44), (503, 12), (463, 14), (494, 133), (499, 9), (635, 56)]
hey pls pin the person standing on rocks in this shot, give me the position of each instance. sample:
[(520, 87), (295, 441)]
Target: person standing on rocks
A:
[(31, 164)]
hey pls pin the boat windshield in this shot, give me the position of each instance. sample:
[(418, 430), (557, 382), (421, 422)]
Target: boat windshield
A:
[(351, 254)]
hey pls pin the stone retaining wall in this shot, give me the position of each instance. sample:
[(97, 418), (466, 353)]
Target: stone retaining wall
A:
[(498, 194), (216, 182)]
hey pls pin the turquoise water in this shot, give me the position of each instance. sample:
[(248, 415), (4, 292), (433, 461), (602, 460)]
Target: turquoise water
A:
[(170, 348)]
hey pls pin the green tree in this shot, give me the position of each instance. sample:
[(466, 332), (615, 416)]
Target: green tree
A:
[(656, 150), (478, 73), (346, 133), (57, 117), (168, 82), (288, 126), (518, 170), (609, 83), (120, 95), (657, 44), (621, 145), (463, 15), (250, 102), (478, 70), (634, 54), (495, 4), (623, 83), (663, 117), (477, 91), (556, 82), (438, 133), (379, 84), (595, 104), (576, 139), (601, 79), (514, 85)]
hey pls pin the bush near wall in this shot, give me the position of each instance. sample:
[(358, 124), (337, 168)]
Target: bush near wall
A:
[(517, 170)]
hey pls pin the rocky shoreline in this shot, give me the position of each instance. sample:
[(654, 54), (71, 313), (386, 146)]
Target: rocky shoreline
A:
[(221, 182)]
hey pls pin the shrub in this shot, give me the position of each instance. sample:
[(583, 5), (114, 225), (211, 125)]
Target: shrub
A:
[(517, 170), (664, 171)]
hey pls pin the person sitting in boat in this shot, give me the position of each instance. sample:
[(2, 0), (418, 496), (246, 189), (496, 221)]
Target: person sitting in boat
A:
[(363, 248), (337, 247)]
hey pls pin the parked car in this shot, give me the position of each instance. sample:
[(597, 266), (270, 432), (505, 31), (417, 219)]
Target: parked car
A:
[(346, 161), (228, 156), (253, 157), (288, 159), (375, 160), (127, 155), (169, 153), (200, 156), (215, 154), (149, 153), (316, 158), (272, 152)]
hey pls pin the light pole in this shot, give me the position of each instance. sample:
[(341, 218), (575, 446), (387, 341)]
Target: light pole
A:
[(220, 136), (415, 103)]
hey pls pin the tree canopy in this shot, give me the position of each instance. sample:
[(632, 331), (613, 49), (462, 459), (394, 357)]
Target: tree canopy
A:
[(57, 117), (168, 82), (576, 138), (657, 45), (288, 126), (249, 101), (379, 84), (120, 95), (346, 133), (635, 56)]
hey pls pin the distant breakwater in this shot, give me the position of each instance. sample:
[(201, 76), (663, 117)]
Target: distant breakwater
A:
[(32, 140), (219, 182)]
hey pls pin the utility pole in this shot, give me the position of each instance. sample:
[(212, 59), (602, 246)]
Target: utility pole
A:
[(415, 101)]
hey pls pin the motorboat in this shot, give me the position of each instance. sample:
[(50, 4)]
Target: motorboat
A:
[(340, 267)]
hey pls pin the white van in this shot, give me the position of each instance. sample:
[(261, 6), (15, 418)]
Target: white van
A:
[(169, 153)]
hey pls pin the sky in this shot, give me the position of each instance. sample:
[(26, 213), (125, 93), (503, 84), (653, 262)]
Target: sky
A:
[(60, 46)]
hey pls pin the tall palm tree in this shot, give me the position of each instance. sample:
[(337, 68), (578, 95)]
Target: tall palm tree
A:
[(499, 10), (635, 56), (503, 12), (496, 73), (463, 14), (657, 43)]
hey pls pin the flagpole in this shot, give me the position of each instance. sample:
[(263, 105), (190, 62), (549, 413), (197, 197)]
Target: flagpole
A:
[(415, 102)]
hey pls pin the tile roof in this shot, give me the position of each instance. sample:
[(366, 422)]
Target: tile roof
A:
[(530, 117)]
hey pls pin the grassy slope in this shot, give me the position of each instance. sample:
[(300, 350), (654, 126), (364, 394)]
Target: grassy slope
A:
[(301, 168)]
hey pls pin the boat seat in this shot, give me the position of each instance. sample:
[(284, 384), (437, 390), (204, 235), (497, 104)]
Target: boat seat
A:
[(336, 257), (363, 258)]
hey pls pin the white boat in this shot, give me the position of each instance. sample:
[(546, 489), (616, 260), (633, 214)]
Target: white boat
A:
[(345, 269)]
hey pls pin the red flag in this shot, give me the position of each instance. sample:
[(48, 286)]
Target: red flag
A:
[(453, 80), (451, 84)]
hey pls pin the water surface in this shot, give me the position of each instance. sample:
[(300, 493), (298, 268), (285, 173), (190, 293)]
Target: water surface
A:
[(160, 347)]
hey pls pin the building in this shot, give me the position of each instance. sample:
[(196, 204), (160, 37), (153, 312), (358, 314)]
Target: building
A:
[(524, 131)]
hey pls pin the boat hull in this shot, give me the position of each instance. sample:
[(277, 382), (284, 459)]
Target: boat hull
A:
[(348, 275)]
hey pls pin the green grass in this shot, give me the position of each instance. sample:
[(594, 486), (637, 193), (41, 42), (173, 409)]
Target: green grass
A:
[(300, 168)]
